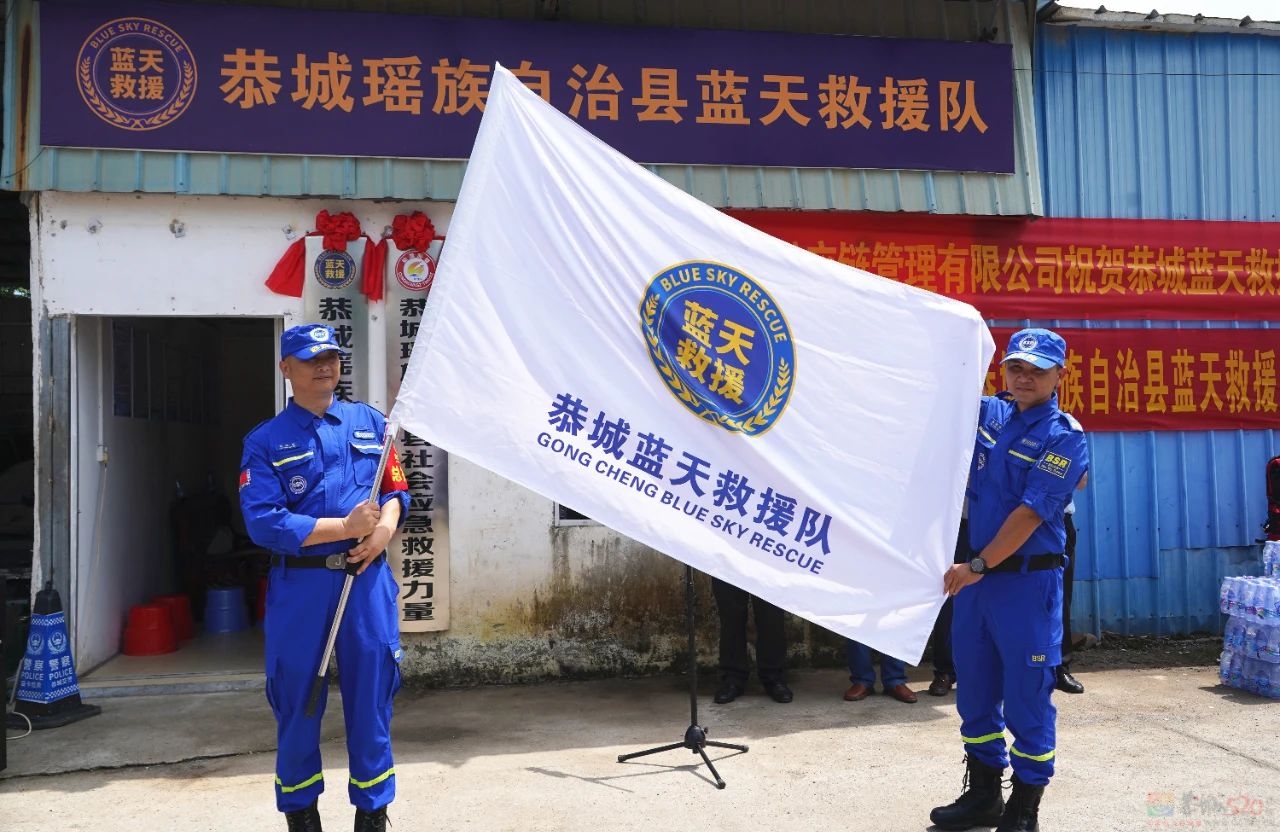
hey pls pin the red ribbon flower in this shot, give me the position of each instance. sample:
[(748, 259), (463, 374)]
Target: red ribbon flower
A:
[(412, 231), (338, 229)]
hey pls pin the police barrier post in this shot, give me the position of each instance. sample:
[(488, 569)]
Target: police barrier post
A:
[(48, 693)]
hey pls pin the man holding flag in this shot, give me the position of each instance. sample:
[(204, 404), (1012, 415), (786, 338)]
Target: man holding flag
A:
[(1007, 633), (305, 482)]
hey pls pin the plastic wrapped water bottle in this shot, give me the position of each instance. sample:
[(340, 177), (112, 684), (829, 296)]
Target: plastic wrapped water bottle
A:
[(1272, 650), (1229, 596), (1233, 669), (1271, 602), (1260, 673), (1224, 667), (1230, 633)]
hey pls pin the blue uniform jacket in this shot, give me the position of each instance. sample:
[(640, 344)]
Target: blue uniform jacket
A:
[(1034, 458), (298, 467)]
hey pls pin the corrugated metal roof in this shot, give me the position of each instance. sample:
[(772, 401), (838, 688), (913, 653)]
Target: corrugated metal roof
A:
[(1195, 17), (47, 168)]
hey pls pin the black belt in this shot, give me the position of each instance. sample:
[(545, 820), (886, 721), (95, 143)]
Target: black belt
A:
[(336, 562), (1035, 563)]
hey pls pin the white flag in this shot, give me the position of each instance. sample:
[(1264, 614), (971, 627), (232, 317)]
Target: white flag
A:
[(793, 426)]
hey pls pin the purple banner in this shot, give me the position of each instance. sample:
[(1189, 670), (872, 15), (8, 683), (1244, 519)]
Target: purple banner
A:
[(239, 79)]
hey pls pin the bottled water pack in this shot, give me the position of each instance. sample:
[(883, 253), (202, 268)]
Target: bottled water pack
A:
[(1251, 675), (1255, 599), (1252, 639)]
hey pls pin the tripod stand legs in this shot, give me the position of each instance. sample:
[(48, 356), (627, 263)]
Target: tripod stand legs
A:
[(695, 739), (695, 736)]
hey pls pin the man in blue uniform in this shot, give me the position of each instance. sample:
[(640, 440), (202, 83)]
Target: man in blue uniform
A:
[(1007, 631), (305, 486)]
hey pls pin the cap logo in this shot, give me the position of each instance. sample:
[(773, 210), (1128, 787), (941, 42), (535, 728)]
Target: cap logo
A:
[(319, 334), (1027, 343)]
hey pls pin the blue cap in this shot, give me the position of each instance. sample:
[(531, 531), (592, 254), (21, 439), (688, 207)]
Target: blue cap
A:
[(308, 340), (1041, 347)]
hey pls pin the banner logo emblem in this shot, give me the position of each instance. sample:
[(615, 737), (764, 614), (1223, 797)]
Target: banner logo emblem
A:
[(415, 270), (721, 345), (335, 269), (136, 74)]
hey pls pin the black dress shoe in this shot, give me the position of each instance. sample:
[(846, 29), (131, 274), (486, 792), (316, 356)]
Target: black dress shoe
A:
[(779, 691), (941, 684), (1066, 682), (728, 691)]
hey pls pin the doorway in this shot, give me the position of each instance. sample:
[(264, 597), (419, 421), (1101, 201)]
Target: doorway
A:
[(160, 407)]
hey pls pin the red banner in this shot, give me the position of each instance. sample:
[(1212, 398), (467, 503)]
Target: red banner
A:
[(1056, 268), (1164, 379)]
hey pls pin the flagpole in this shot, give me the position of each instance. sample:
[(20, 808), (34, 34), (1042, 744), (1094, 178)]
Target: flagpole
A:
[(389, 436)]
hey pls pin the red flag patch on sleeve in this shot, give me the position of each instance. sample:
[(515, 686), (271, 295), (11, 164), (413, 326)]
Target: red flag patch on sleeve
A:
[(393, 478), (244, 478)]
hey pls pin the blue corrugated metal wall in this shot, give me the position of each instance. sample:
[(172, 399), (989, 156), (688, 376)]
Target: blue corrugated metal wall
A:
[(1162, 126)]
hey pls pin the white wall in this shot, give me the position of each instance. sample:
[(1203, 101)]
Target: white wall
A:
[(529, 600), (121, 507)]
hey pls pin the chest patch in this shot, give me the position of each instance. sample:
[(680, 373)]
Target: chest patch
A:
[(1055, 464), (363, 434), (298, 484), (1031, 443)]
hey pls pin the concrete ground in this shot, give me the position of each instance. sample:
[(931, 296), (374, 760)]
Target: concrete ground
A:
[(1141, 749)]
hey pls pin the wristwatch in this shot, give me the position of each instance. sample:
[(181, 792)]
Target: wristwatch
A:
[(978, 566)]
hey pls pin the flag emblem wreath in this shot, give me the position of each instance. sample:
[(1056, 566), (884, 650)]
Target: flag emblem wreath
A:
[(335, 269), (159, 71), (721, 344)]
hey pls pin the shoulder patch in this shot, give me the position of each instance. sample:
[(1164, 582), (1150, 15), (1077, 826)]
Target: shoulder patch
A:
[(1055, 464), (1073, 422)]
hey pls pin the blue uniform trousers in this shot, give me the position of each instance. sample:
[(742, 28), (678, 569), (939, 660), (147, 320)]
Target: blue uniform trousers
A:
[(300, 607), (1007, 642)]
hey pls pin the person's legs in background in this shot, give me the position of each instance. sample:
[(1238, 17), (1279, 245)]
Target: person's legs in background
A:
[(944, 668), (1065, 681), (893, 678), (861, 673), (771, 649), (731, 605)]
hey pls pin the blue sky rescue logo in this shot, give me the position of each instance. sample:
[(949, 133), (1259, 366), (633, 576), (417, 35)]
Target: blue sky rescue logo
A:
[(136, 74), (721, 345)]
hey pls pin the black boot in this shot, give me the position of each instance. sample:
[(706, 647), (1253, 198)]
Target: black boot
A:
[(979, 805), (1022, 812), (375, 821), (304, 820)]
